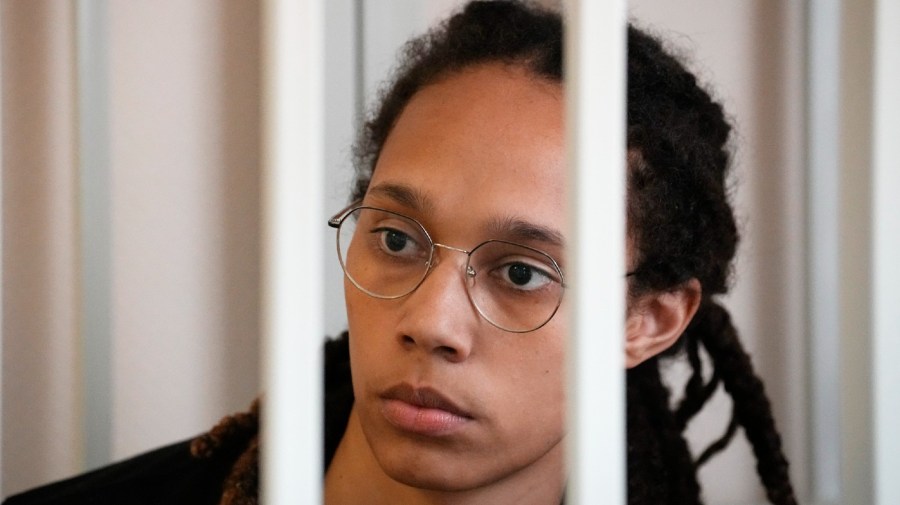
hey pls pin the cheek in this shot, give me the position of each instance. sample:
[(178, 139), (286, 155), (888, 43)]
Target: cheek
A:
[(354, 304), (549, 377), (529, 406), (534, 396), (365, 315), (368, 325)]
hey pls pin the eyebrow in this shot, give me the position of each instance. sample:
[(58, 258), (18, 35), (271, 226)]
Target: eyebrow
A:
[(510, 227), (404, 195), (520, 229)]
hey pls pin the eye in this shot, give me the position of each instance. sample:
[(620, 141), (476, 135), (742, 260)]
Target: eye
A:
[(398, 243), (523, 276), (394, 240)]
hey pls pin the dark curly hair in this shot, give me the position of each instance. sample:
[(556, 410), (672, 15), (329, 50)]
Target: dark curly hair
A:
[(679, 219)]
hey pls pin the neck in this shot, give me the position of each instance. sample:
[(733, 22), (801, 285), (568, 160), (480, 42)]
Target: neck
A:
[(355, 476)]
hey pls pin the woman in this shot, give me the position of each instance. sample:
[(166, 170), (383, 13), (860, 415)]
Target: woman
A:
[(448, 387)]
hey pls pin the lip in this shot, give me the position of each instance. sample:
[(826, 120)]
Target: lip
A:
[(423, 411)]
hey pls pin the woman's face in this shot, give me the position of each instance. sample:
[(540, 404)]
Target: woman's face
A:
[(478, 155)]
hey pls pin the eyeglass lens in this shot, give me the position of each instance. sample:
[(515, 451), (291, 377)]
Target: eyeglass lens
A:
[(387, 255)]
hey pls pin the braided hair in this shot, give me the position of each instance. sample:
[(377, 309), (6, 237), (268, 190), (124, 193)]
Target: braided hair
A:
[(234, 438), (679, 219)]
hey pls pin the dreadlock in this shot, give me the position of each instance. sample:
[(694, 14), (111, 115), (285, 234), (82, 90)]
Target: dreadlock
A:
[(679, 218), (235, 436)]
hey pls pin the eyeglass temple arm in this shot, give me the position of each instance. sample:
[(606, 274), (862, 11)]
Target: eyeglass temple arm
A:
[(335, 220)]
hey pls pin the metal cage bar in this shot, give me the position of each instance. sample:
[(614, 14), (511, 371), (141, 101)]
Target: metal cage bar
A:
[(595, 102), (95, 262), (823, 237), (293, 157)]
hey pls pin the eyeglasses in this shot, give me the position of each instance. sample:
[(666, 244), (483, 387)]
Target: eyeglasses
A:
[(388, 255)]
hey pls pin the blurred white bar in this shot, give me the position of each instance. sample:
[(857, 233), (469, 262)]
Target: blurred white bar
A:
[(855, 244), (95, 283), (823, 262), (595, 100), (293, 157), (886, 253), (2, 325)]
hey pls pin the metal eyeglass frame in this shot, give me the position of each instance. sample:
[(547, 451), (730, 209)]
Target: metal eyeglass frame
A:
[(338, 219)]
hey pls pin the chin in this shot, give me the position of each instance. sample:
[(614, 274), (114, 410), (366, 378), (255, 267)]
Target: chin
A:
[(434, 477), (434, 467)]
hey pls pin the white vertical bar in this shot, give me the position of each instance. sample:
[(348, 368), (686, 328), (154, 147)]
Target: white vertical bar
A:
[(855, 253), (823, 174), (293, 152), (94, 230), (595, 101), (2, 284), (886, 253)]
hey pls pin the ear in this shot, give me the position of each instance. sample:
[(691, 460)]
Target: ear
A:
[(655, 321)]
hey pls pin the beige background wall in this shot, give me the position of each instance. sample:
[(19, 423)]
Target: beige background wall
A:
[(183, 83), (184, 123), (184, 155), (41, 417)]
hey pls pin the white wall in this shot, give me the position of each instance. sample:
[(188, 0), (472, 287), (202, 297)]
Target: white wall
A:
[(184, 123), (342, 72), (184, 228), (183, 81)]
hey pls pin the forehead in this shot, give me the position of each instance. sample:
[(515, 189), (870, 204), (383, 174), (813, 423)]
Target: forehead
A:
[(483, 143)]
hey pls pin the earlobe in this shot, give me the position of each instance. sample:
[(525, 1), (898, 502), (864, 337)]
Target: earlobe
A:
[(656, 321)]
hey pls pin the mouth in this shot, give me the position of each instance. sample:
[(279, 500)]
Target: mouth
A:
[(423, 411)]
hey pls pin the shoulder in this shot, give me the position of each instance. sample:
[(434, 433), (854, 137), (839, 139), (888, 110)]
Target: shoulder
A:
[(338, 393), (169, 475), (337, 363)]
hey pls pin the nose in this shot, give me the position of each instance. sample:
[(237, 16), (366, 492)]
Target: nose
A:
[(438, 317)]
